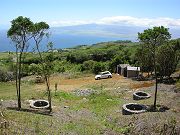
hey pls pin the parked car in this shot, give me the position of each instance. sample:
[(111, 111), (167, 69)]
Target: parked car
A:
[(103, 75)]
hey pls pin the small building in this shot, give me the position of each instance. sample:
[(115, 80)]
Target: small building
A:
[(121, 68), (132, 71)]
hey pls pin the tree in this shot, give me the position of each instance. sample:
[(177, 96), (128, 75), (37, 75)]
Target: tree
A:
[(39, 31), (20, 34), (88, 65), (144, 58), (152, 38), (167, 60), (98, 67), (114, 62)]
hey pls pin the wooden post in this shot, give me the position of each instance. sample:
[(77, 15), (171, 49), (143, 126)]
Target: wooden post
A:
[(55, 88)]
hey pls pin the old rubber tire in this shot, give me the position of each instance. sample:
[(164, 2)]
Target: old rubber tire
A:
[(138, 95), (39, 104), (133, 108)]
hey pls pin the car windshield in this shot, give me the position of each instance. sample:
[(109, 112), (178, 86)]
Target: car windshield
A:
[(102, 73)]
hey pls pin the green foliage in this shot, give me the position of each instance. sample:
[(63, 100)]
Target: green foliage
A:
[(20, 34), (39, 27), (31, 59), (108, 54), (144, 59), (35, 69), (6, 76), (64, 96), (19, 27), (82, 58), (155, 36), (77, 57), (151, 39), (167, 60), (88, 65), (116, 61), (99, 67)]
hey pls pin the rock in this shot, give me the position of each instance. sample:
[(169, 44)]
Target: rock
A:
[(85, 92), (66, 106), (30, 101)]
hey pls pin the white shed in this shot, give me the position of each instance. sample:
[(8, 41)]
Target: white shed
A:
[(133, 71)]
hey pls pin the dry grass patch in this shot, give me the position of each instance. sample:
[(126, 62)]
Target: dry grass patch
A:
[(142, 85)]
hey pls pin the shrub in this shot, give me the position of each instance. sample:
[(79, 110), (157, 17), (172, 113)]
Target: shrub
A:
[(88, 65), (60, 69), (98, 67), (35, 69), (6, 76)]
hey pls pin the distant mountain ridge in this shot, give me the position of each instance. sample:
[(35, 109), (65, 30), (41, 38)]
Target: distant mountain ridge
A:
[(70, 36)]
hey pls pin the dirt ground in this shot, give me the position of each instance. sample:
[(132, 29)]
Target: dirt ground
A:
[(71, 84), (99, 113)]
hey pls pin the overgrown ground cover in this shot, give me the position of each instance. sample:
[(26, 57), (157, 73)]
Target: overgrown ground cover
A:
[(96, 113)]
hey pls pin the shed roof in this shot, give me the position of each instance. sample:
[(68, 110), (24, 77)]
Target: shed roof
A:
[(123, 65), (133, 68)]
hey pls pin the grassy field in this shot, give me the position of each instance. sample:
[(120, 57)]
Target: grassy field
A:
[(97, 113), (4, 55)]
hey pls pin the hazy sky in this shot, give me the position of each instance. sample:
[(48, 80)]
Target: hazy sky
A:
[(74, 12)]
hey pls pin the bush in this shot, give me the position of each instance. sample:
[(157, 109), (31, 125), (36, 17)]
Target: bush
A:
[(98, 67), (31, 60), (78, 57), (60, 69), (113, 64), (6, 76), (35, 69), (88, 65), (167, 60)]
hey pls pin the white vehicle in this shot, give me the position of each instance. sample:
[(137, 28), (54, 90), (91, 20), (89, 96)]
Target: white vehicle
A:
[(103, 75)]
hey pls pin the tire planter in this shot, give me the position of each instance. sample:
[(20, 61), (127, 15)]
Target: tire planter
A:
[(133, 108), (39, 104), (138, 95)]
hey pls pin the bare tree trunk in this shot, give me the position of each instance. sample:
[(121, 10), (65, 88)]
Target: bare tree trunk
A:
[(19, 71), (155, 71), (155, 95), (17, 88), (19, 82), (49, 92), (46, 77)]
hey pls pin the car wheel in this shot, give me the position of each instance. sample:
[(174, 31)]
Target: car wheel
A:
[(109, 76), (98, 78)]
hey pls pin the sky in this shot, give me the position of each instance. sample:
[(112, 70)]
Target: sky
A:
[(76, 12)]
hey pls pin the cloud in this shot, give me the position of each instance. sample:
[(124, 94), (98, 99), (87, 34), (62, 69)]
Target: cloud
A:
[(68, 23), (128, 20), (122, 20)]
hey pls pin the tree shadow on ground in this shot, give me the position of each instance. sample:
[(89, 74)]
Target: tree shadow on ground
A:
[(159, 108), (168, 81), (31, 110)]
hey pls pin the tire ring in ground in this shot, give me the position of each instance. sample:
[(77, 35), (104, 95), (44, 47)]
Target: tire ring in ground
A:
[(45, 102), (127, 111), (138, 95)]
